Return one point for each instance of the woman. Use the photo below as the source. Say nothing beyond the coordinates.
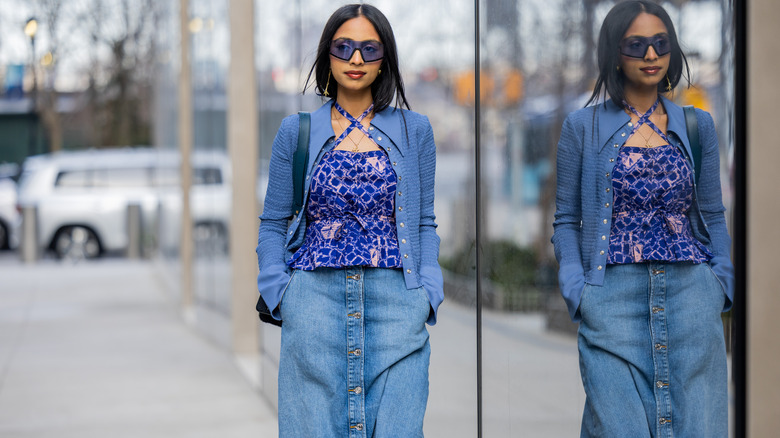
(355, 274)
(642, 244)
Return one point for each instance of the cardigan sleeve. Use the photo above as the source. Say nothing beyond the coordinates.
(710, 200)
(430, 271)
(277, 208)
(568, 215)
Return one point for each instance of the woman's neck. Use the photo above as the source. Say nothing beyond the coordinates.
(354, 103)
(641, 100)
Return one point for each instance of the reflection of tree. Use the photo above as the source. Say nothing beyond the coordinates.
(568, 31)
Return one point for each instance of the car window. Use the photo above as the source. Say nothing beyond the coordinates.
(206, 176)
(166, 177)
(126, 178)
(73, 178)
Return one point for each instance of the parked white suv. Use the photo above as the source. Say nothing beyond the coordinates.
(82, 197)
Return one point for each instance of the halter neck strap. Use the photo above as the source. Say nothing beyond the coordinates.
(353, 122)
(644, 119)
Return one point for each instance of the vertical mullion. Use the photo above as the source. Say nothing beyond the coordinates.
(739, 342)
(478, 206)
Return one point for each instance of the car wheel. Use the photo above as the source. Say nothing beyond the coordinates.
(76, 243)
(3, 237)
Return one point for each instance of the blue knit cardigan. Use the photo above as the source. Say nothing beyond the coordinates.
(412, 152)
(590, 140)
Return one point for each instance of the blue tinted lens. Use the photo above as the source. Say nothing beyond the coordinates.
(662, 46)
(636, 47)
(344, 49)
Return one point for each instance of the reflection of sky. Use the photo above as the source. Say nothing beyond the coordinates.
(430, 33)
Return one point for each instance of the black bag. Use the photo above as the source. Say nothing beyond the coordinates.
(300, 159)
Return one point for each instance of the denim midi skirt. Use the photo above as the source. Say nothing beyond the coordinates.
(652, 353)
(354, 355)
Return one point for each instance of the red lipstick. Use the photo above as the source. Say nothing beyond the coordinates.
(355, 74)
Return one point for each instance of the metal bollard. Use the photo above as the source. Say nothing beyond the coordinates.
(28, 246)
(134, 231)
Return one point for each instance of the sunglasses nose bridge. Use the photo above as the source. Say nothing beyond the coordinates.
(650, 53)
(356, 57)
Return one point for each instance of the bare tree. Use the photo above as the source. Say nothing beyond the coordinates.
(46, 99)
(120, 90)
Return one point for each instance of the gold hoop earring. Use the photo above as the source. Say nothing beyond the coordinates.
(668, 84)
(327, 85)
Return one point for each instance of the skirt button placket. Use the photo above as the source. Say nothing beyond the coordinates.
(658, 332)
(355, 347)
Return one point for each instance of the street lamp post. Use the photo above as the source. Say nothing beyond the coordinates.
(30, 29)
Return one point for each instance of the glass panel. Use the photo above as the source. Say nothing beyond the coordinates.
(437, 65)
(166, 138)
(530, 369)
(210, 195)
(538, 64)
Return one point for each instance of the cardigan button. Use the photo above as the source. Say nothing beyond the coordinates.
(600, 267)
(400, 209)
(371, 128)
(406, 256)
(611, 160)
(601, 252)
(395, 163)
(605, 221)
(408, 271)
(380, 139)
(606, 205)
(403, 240)
(401, 224)
(603, 237)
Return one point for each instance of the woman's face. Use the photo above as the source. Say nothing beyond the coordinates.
(355, 74)
(645, 72)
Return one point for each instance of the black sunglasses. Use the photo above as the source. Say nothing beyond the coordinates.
(344, 49)
(636, 46)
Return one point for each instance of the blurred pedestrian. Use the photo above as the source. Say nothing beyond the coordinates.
(354, 275)
(641, 241)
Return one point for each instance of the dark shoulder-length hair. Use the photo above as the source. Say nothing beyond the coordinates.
(611, 80)
(388, 84)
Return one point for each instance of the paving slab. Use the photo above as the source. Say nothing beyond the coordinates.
(97, 349)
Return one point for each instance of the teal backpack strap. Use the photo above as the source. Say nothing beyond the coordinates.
(692, 126)
(300, 160)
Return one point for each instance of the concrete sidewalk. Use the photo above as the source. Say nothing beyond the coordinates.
(97, 349)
